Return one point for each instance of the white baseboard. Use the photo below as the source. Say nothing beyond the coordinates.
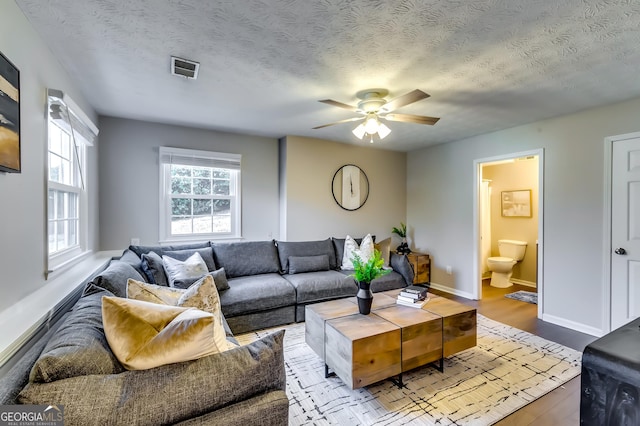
(450, 290)
(523, 282)
(586, 329)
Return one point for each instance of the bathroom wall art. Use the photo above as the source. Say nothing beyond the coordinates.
(516, 203)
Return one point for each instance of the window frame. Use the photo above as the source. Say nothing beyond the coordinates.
(198, 158)
(68, 254)
(63, 113)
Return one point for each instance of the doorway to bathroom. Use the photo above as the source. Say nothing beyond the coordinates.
(508, 199)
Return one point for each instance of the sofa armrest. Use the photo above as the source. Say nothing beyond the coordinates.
(401, 265)
(187, 389)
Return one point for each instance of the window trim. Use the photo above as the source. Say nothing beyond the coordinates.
(69, 118)
(203, 158)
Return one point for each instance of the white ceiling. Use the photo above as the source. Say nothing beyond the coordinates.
(487, 64)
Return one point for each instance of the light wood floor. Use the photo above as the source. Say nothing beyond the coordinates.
(562, 405)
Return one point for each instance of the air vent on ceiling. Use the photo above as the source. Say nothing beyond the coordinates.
(184, 68)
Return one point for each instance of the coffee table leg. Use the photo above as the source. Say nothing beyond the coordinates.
(398, 382)
(439, 365)
(326, 372)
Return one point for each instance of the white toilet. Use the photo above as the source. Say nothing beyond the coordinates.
(501, 267)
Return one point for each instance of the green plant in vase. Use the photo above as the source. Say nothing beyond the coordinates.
(401, 232)
(364, 273)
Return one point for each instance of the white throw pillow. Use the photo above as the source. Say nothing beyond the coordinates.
(351, 248)
(193, 267)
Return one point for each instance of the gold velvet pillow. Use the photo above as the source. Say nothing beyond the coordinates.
(202, 295)
(153, 293)
(145, 335)
(384, 247)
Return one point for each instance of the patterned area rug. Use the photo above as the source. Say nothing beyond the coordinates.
(524, 296)
(508, 369)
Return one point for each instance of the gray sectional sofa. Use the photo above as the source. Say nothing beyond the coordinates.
(260, 283)
(270, 282)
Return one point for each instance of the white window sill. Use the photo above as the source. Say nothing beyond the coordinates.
(26, 317)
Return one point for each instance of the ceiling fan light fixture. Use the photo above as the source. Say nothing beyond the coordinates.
(359, 131)
(383, 131)
(371, 124)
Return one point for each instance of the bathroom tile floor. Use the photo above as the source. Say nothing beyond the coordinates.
(559, 407)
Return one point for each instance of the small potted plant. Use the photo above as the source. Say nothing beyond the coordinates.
(364, 273)
(403, 248)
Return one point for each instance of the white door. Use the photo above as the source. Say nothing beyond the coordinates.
(625, 232)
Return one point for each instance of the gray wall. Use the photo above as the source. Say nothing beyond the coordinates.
(129, 178)
(440, 205)
(23, 214)
(309, 208)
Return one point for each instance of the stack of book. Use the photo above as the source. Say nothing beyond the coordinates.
(414, 296)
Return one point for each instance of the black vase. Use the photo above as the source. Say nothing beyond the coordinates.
(365, 297)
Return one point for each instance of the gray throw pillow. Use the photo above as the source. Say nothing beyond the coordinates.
(305, 248)
(154, 269)
(134, 260)
(79, 347)
(114, 278)
(300, 264)
(219, 277)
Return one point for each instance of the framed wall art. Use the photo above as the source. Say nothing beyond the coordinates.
(516, 203)
(10, 160)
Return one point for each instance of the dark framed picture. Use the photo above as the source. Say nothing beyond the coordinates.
(9, 117)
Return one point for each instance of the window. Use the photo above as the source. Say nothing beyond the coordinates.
(199, 195)
(68, 137)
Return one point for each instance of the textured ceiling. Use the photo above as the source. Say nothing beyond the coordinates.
(487, 64)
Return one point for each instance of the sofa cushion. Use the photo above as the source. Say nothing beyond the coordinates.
(159, 250)
(79, 346)
(305, 248)
(300, 264)
(134, 260)
(114, 278)
(219, 277)
(246, 258)
(154, 269)
(323, 285)
(256, 293)
(145, 335)
(170, 393)
(391, 281)
(192, 267)
(206, 253)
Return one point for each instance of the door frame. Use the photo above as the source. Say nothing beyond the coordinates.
(477, 251)
(606, 234)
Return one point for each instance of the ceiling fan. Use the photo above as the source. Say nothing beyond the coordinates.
(373, 107)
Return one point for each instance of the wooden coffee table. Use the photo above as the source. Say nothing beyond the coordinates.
(364, 349)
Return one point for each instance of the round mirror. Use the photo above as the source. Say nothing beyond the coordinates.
(350, 187)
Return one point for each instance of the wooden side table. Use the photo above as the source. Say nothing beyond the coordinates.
(421, 263)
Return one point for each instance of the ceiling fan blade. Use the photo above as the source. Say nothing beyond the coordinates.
(339, 122)
(406, 99)
(410, 118)
(339, 105)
